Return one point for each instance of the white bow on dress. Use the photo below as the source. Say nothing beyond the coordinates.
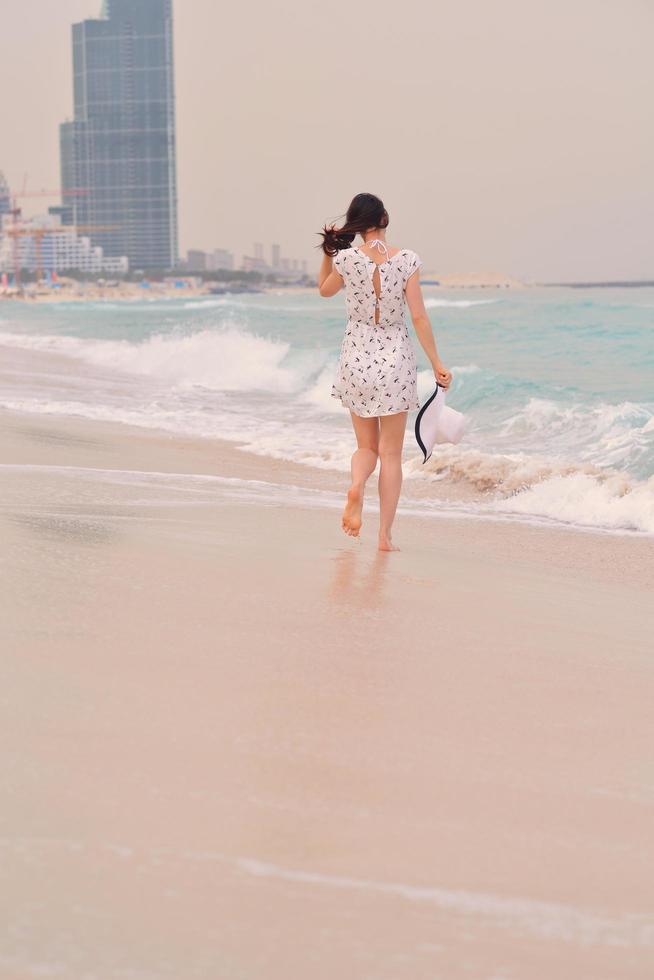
(379, 245)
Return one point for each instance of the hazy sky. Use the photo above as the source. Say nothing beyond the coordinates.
(515, 135)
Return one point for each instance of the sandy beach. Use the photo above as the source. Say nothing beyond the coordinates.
(241, 745)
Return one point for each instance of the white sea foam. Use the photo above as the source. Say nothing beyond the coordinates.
(585, 500)
(319, 392)
(548, 920)
(433, 302)
(601, 433)
(227, 360)
(487, 472)
(153, 488)
(465, 369)
(558, 416)
(206, 304)
(157, 417)
(520, 484)
(239, 302)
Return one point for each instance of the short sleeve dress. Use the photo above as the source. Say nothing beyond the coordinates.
(376, 372)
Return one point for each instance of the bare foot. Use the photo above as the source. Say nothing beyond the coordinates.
(351, 522)
(385, 543)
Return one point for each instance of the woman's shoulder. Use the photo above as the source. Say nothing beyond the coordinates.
(342, 258)
(412, 262)
(402, 255)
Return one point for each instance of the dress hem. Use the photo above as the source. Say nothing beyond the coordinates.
(374, 415)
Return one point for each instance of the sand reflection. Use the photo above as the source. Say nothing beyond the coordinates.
(359, 580)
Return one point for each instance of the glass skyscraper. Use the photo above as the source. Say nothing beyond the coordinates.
(120, 144)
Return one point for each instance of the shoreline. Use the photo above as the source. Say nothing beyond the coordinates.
(440, 498)
(36, 440)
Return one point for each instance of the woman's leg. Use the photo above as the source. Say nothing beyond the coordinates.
(391, 440)
(364, 460)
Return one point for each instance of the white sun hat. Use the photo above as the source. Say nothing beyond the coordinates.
(438, 423)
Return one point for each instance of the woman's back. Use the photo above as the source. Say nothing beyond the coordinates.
(374, 291)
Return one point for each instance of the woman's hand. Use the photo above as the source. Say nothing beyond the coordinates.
(442, 375)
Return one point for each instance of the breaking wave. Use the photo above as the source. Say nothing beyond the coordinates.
(559, 458)
(226, 360)
(583, 495)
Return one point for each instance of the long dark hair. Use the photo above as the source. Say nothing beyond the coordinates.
(365, 211)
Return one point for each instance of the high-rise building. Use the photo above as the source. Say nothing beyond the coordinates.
(120, 145)
(276, 256)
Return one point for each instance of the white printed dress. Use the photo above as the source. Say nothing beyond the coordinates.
(376, 372)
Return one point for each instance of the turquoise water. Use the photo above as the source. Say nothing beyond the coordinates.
(556, 385)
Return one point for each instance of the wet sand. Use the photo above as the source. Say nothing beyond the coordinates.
(241, 745)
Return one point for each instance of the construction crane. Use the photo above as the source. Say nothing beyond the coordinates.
(13, 196)
(15, 212)
(38, 234)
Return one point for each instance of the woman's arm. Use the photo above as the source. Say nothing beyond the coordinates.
(329, 280)
(423, 329)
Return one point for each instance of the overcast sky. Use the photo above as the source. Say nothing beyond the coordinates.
(513, 135)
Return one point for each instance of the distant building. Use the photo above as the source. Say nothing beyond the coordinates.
(220, 258)
(196, 260)
(255, 263)
(199, 261)
(5, 195)
(45, 243)
(120, 144)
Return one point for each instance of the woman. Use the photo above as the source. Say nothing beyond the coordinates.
(376, 376)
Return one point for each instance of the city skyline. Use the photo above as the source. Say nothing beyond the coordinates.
(201, 260)
(522, 144)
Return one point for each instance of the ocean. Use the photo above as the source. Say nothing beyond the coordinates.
(556, 384)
